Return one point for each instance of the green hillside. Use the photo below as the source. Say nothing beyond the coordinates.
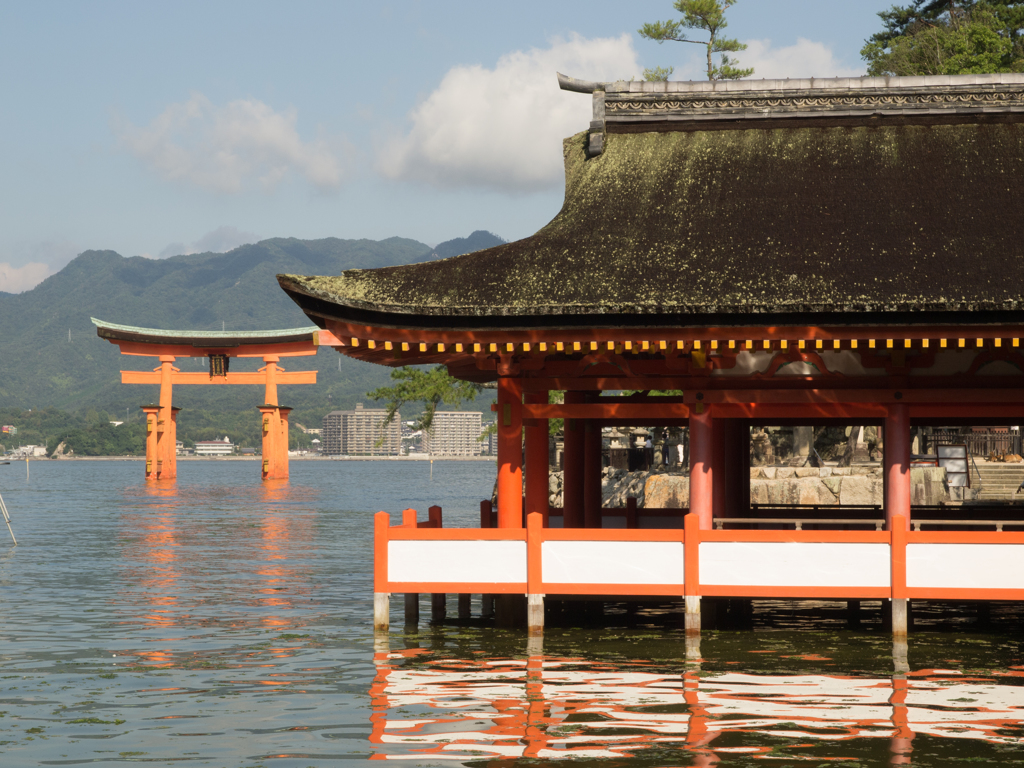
(50, 355)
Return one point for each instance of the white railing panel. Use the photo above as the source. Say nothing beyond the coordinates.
(965, 566)
(499, 562)
(794, 564)
(612, 562)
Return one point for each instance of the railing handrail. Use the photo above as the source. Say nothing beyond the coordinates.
(799, 522)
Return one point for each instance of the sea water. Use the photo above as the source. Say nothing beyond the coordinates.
(224, 622)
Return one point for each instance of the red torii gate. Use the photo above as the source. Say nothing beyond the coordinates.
(219, 347)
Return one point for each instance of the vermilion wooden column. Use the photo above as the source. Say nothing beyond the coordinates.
(896, 459)
(152, 413)
(537, 462)
(275, 426)
(510, 452)
(166, 448)
(896, 455)
(572, 479)
(592, 475)
(720, 429)
(701, 467)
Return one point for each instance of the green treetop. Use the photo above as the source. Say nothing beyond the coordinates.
(431, 387)
(708, 15)
(948, 37)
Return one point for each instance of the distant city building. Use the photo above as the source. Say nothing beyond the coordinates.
(358, 432)
(29, 451)
(214, 447)
(454, 433)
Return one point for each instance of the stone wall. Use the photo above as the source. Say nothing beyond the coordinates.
(768, 485)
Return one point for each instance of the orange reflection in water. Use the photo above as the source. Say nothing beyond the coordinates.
(558, 708)
(153, 563)
(283, 581)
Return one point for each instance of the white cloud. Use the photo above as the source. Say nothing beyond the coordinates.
(804, 59)
(219, 240)
(228, 148)
(23, 278)
(27, 263)
(502, 128)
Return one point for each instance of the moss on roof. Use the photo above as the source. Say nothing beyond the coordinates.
(865, 219)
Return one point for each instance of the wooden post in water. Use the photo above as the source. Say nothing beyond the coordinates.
(381, 599)
(412, 608)
(381, 611)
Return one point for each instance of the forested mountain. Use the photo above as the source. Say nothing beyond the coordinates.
(51, 356)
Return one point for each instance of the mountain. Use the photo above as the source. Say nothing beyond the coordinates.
(50, 354)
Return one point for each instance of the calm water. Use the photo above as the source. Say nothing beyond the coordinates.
(227, 624)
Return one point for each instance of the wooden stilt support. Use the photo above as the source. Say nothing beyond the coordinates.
(412, 608)
(510, 611)
(465, 606)
(693, 649)
(693, 616)
(853, 614)
(381, 611)
(535, 614)
(438, 607)
(535, 645)
(900, 615)
(899, 657)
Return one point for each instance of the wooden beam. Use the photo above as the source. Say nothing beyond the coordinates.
(201, 377)
(615, 410)
(289, 349)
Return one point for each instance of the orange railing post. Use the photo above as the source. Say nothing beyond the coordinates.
(534, 575)
(381, 592)
(691, 572)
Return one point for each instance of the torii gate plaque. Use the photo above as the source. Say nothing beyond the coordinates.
(218, 347)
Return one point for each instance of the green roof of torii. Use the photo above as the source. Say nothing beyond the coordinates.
(114, 331)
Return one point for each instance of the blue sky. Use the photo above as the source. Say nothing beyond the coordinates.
(154, 129)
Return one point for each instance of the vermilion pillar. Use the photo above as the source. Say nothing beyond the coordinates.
(166, 434)
(573, 462)
(152, 413)
(275, 426)
(896, 449)
(701, 463)
(275, 442)
(537, 462)
(510, 453)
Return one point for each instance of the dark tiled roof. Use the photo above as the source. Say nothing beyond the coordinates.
(905, 219)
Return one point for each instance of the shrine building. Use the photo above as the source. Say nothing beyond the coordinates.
(782, 252)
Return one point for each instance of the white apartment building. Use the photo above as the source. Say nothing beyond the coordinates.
(454, 433)
(215, 447)
(357, 432)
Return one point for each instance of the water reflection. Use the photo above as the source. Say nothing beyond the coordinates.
(569, 708)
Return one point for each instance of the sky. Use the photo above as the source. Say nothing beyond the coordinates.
(155, 129)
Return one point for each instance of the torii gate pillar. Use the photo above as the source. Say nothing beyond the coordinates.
(275, 441)
(161, 442)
